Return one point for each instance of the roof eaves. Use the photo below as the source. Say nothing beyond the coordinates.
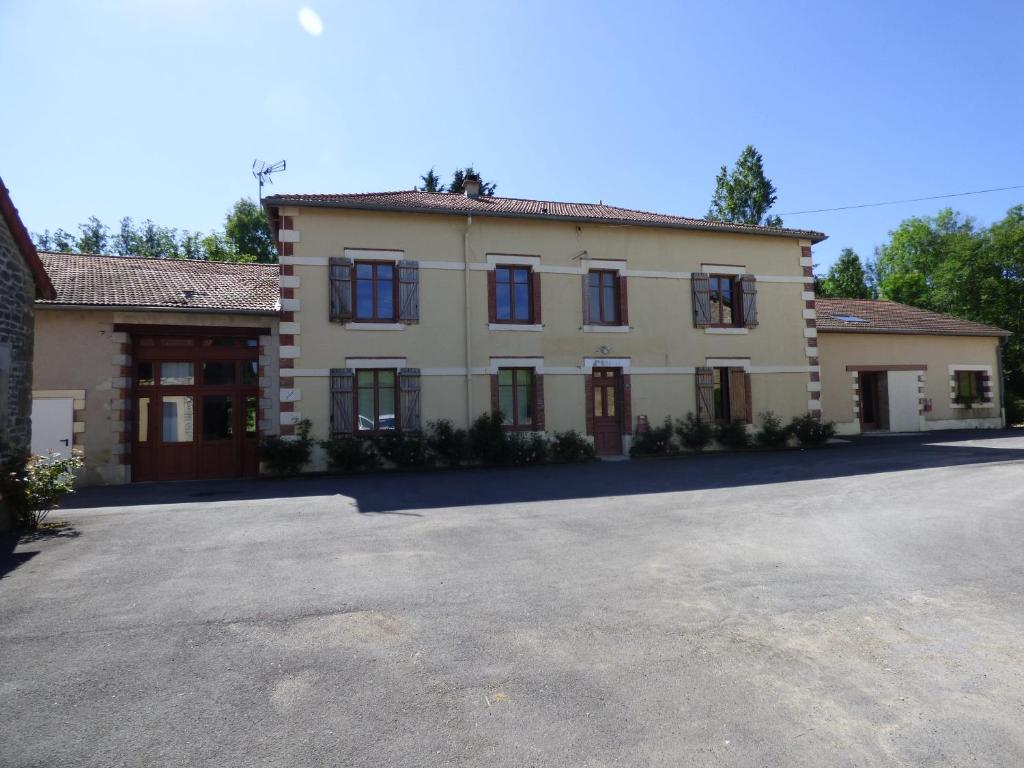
(813, 236)
(155, 308)
(44, 287)
(983, 332)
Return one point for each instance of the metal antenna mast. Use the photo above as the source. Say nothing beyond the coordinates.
(262, 172)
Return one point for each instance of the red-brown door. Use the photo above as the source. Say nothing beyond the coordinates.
(606, 410)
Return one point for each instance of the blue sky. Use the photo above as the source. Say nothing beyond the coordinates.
(157, 109)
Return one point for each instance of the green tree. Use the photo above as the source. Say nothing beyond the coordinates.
(431, 182)
(155, 242)
(744, 195)
(94, 237)
(124, 240)
(847, 279)
(459, 177)
(247, 231)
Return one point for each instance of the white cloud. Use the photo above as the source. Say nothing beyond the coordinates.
(311, 22)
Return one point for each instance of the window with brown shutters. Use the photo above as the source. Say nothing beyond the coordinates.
(340, 289)
(375, 292)
(408, 292)
(748, 300)
(341, 401)
(723, 395)
(700, 283)
(409, 398)
(601, 297)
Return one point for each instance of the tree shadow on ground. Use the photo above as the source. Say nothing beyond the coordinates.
(399, 492)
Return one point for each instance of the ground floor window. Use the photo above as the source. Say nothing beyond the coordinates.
(970, 387)
(375, 401)
(721, 394)
(515, 397)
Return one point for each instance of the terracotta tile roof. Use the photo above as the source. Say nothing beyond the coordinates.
(511, 207)
(867, 316)
(44, 288)
(128, 281)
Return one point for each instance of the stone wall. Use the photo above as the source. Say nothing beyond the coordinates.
(17, 293)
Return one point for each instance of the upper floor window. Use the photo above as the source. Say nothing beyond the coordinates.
(603, 297)
(375, 291)
(724, 309)
(513, 295)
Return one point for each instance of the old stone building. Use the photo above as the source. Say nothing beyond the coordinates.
(22, 280)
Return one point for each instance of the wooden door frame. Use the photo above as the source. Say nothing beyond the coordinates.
(620, 380)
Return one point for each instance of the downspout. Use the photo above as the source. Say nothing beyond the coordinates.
(1002, 382)
(465, 277)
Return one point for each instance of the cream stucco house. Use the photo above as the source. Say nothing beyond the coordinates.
(155, 369)
(889, 367)
(402, 308)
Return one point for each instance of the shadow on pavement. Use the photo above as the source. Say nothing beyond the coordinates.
(398, 491)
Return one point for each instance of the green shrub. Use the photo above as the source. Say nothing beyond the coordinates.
(527, 448)
(350, 454)
(1014, 411)
(772, 434)
(693, 433)
(811, 431)
(488, 441)
(733, 435)
(656, 441)
(570, 447)
(284, 456)
(449, 443)
(30, 486)
(406, 449)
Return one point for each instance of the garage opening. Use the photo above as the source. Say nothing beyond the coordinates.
(889, 400)
(195, 405)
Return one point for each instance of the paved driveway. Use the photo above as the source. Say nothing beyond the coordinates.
(859, 605)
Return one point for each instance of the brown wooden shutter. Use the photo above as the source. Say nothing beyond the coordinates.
(409, 398)
(342, 422)
(535, 297)
(705, 394)
(586, 298)
(623, 300)
(408, 292)
(701, 284)
(748, 290)
(538, 402)
(494, 394)
(738, 395)
(492, 297)
(340, 282)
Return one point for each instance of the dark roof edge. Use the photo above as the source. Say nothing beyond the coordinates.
(44, 287)
(713, 226)
(982, 332)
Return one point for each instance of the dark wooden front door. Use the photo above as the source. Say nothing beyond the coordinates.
(196, 404)
(606, 410)
(874, 408)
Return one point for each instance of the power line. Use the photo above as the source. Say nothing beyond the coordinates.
(909, 200)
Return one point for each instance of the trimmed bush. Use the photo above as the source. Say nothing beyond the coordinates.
(406, 449)
(733, 435)
(449, 443)
(350, 454)
(656, 441)
(811, 431)
(488, 440)
(527, 448)
(693, 433)
(286, 457)
(1014, 411)
(772, 434)
(31, 486)
(570, 447)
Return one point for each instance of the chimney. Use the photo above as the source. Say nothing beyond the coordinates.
(471, 185)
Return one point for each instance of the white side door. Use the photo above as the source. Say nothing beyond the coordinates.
(903, 402)
(53, 425)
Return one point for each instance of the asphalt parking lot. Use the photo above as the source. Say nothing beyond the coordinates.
(858, 605)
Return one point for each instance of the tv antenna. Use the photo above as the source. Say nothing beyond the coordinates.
(262, 172)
